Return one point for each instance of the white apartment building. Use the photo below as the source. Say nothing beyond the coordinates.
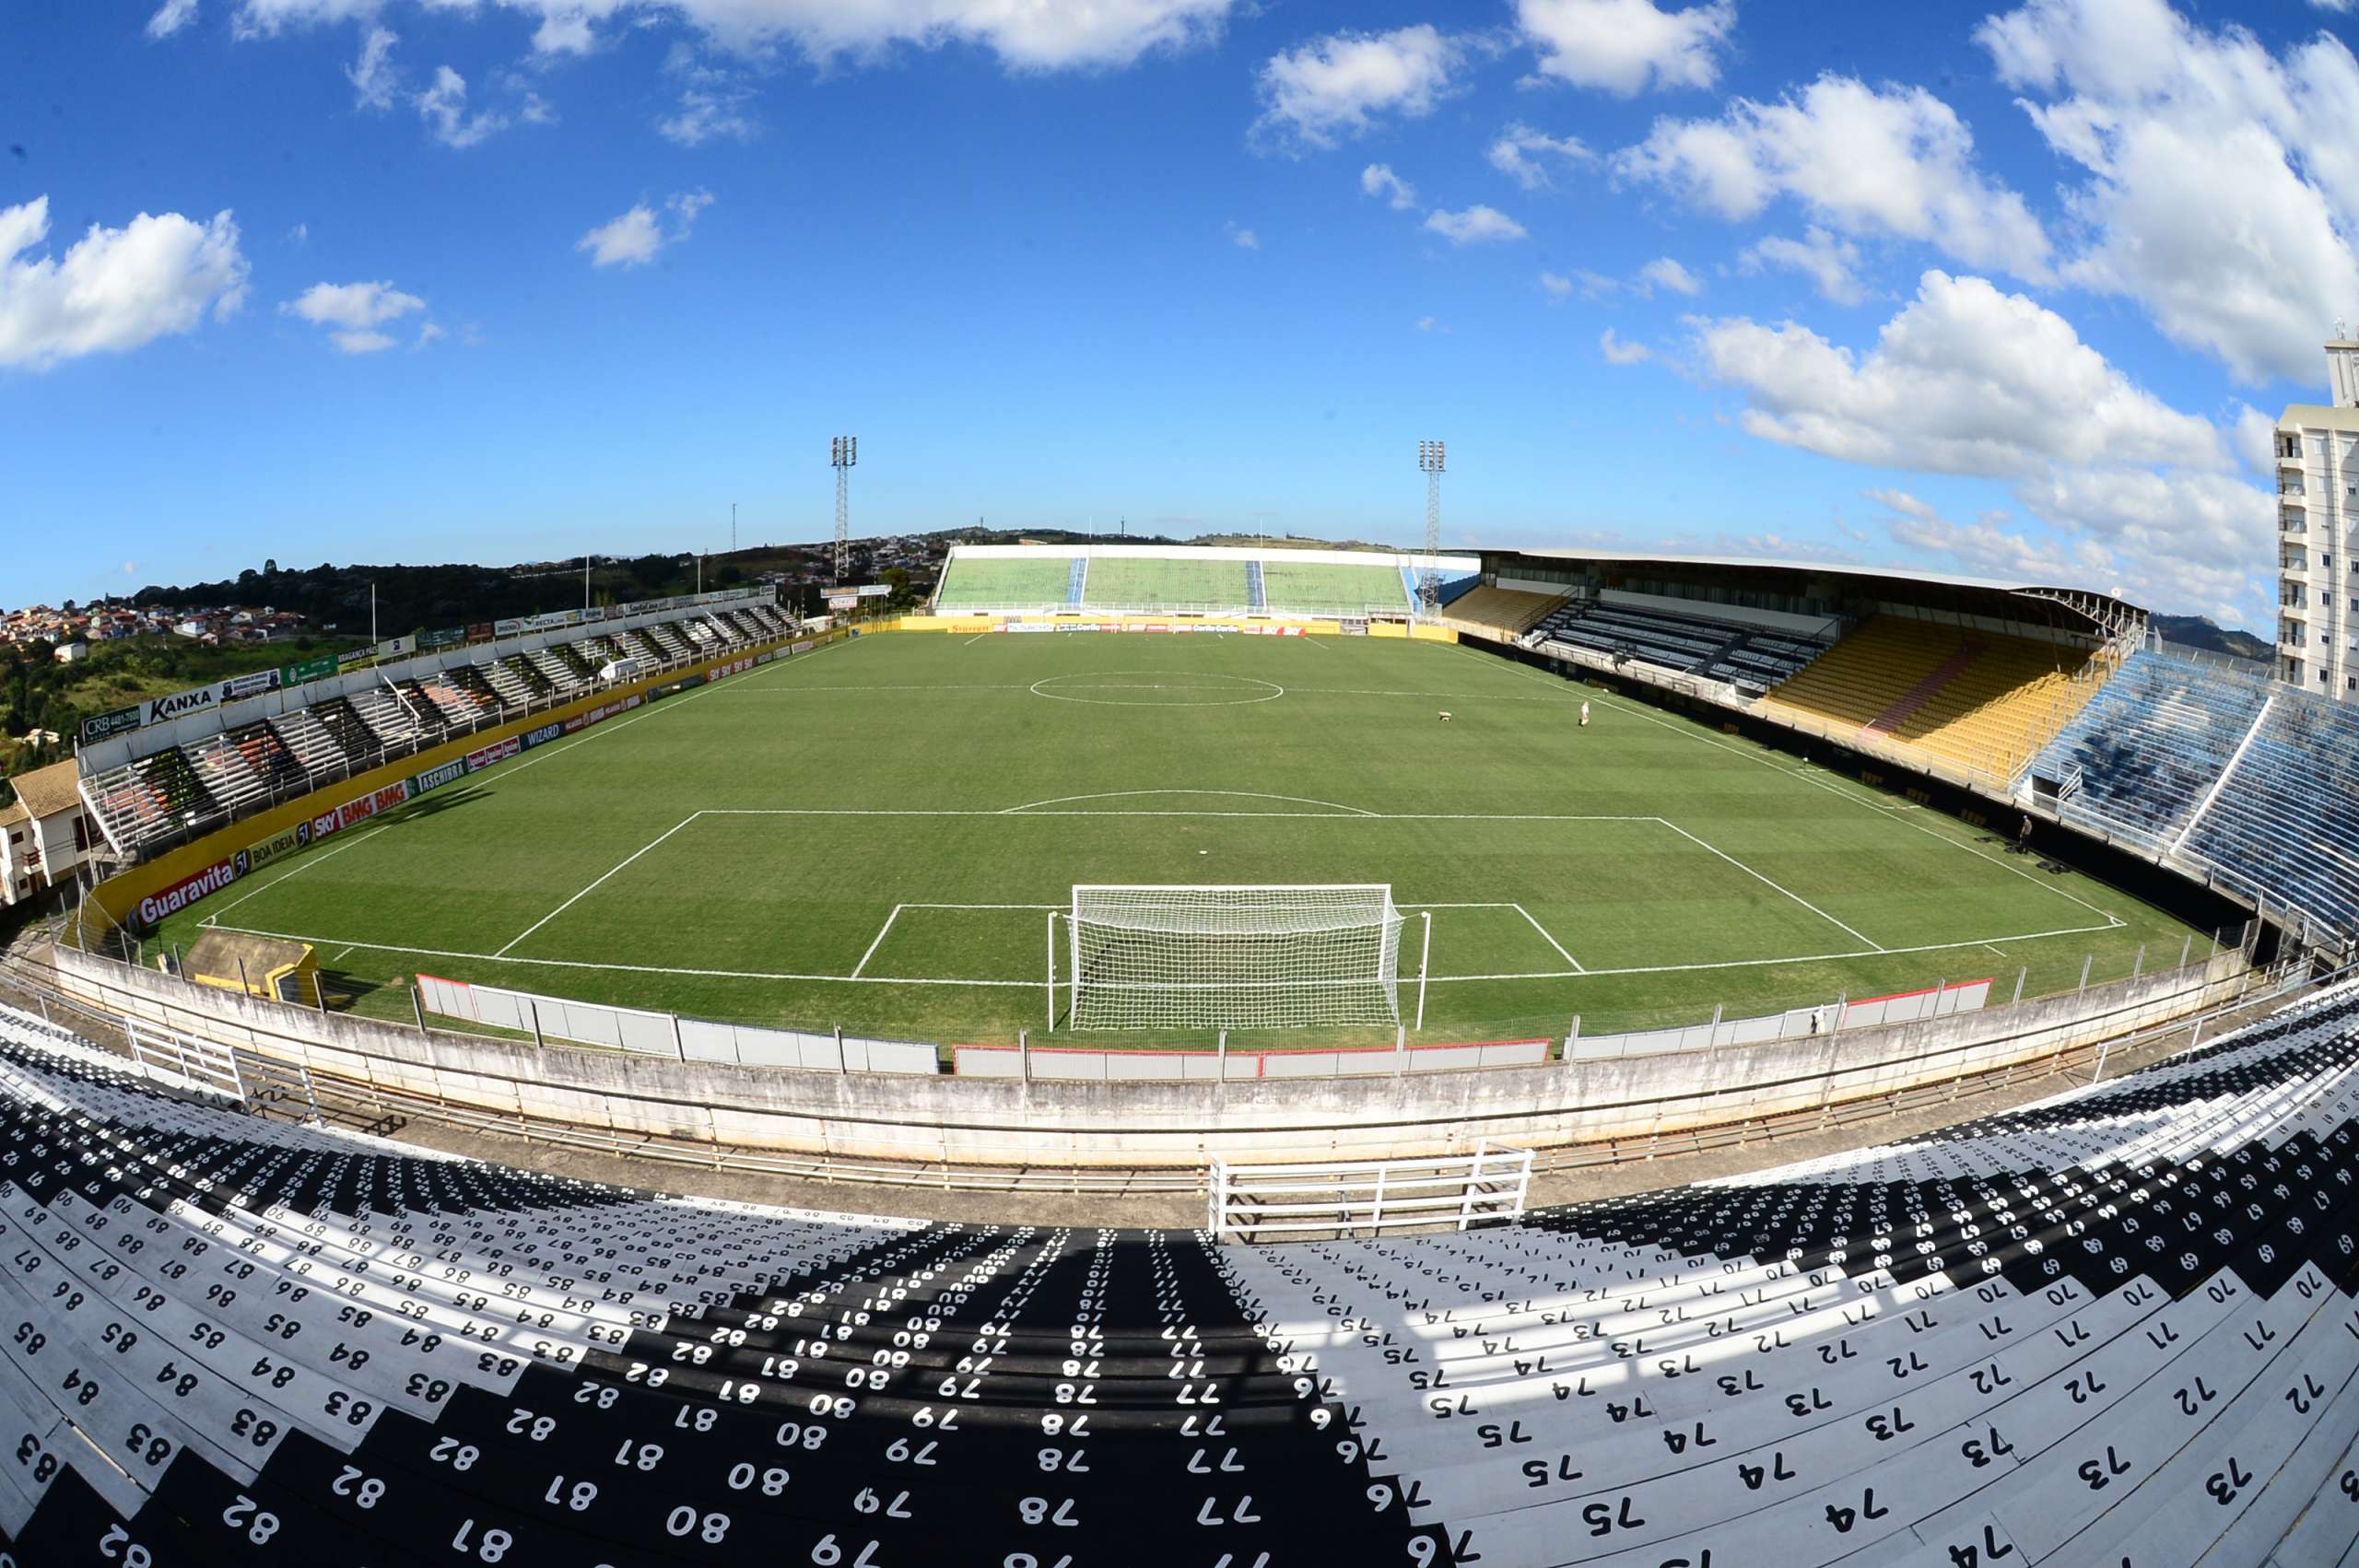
(2317, 528)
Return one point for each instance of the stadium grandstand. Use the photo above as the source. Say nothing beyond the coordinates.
(2110, 1326)
(2065, 1275)
(1097, 580)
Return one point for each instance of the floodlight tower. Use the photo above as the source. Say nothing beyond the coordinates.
(1429, 459)
(843, 452)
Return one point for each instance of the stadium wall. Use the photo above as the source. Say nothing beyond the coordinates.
(201, 861)
(557, 1090)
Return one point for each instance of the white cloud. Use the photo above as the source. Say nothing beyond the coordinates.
(1892, 162)
(633, 239)
(1830, 263)
(1477, 225)
(1968, 380)
(1242, 237)
(1512, 154)
(2256, 442)
(1664, 273)
(1028, 36)
(356, 313)
(1627, 46)
(1902, 502)
(298, 235)
(170, 17)
(1426, 324)
(429, 333)
(2222, 181)
(707, 114)
(443, 107)
(374, 80)
(115, 289)
(1556, 285)
(1378, 179)
(1616, 352)
(1332, 89)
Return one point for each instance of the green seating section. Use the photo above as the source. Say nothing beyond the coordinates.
(1336, 589)
(1124, 583)
(1021, 583)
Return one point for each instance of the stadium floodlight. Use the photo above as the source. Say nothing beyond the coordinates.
(843, 454)
(1248, 956)
(1430, 458)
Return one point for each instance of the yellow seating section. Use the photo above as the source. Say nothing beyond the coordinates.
(1499, 612)
(2008, 700)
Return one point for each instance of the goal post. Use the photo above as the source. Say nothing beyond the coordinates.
(1233, 956)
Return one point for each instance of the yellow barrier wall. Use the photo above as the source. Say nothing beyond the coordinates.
(119, 895)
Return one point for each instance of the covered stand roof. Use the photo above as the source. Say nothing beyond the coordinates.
(2105, 613)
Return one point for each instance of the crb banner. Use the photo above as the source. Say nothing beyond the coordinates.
(182, 894)
(98, 726)
(308, 670)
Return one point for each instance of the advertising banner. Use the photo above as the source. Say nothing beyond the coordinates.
(181, 894)
(803, 647)
(498, 751)
(239, 688)
(277, 844)
(308, 670)
(435, 778)
(352, 659)
(481, 631)
(508, 628)
(449, 637)
(98, 726)
(397, 647)
(842, 602)
(204, 700)
(541, 736)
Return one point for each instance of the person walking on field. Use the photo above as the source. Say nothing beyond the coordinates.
(1584, 713)
(2022, 837)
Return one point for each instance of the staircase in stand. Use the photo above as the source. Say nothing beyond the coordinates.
(1918, 695)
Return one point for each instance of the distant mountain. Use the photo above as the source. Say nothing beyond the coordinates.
(2198, 631)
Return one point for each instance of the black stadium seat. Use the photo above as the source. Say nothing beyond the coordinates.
(2116, 1326)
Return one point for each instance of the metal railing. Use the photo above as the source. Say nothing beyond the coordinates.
(1250, 1203)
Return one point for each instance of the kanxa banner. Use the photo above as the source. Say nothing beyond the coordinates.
(204, 700)
(98, 726)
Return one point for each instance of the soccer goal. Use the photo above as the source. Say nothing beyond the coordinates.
(1271, 957)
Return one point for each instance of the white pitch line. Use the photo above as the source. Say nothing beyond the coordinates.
(1780, 887)
(1549, 940)
(1033, 982)
(576, 898)
(879, 942)
(1637, 710)
(1225, 794)
(1347, 815)
(298, 869)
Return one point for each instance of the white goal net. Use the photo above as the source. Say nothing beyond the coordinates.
(1235, 957)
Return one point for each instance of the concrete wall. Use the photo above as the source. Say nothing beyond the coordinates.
(1003, 1121)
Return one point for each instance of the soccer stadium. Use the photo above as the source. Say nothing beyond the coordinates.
(1980, 951)
(1779, 988)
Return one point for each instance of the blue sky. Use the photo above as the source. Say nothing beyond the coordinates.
(2010, 290)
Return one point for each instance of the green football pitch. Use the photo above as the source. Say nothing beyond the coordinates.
(872, 835)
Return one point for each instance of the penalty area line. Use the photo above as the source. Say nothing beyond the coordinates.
(593, 887)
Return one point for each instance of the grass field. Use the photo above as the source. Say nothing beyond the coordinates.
(872, 835)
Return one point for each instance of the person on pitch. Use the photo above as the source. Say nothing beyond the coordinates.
(1584, 713)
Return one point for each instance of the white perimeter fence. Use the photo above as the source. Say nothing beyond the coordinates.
(548, 1018)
